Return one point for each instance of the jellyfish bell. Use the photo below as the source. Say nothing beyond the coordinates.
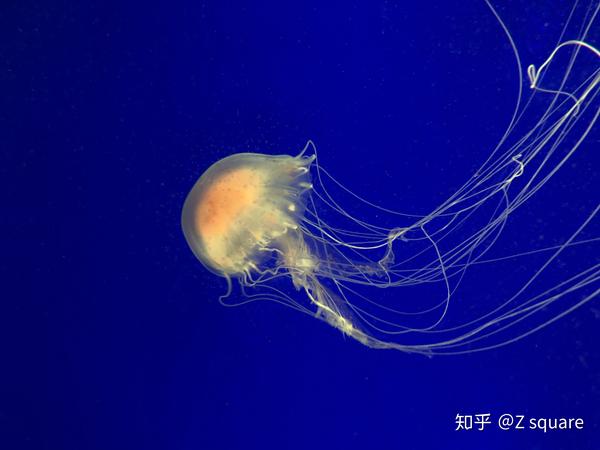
(245, 209)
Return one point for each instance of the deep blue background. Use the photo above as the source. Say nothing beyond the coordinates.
(111, 333)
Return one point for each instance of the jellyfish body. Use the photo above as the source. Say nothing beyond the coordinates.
(246, 208)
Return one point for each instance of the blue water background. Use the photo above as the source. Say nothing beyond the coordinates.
(112, 335)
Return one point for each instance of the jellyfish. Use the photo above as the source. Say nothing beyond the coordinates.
(260, 221)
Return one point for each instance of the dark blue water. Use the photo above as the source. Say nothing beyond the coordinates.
(112, 335)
